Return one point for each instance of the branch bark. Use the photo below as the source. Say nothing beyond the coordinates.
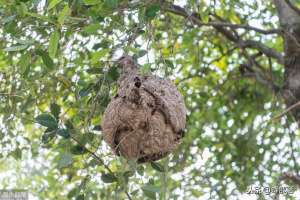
(290, 23)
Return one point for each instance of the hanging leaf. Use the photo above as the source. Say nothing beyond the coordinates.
(16, 48)
(24, 63)
(53, 44)
(63, 14)
(55, 110)
(47, 60)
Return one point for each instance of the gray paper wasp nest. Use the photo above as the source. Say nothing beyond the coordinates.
(146, 118)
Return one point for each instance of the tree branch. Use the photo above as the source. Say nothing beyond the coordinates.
(295, 8)
(221, 27)
(287, 15)
(294, 178)
(182, 12)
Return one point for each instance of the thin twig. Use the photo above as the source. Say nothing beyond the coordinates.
(93, 154)
(294, 178)
(128, 195)
(286, 111)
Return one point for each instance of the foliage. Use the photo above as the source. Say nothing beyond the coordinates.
(57, 75)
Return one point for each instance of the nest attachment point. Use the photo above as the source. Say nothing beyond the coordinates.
(146, 118)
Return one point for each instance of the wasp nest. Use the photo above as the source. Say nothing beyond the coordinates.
(146, 118)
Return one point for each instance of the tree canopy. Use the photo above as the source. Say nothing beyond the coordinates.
(235, 63)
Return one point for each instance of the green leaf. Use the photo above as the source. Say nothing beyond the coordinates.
(113, 74)
(128, 174)
(150, 191)
(63, 132)
(48, 135)
(85, 91)
(55, 110)
(24, 63)
(92, 28)
(47, 120)
(25, 42)
(63, 14)
(151, 11)
(47, 60)
(157, 167)
(95, 70)
(140, 170)
(91, 2)
(78, 150)
(80, 197)
(53, 3)
(16, 48)
(108, 178)
(151, 188)
(53, 44)
(169, 63)
(112, 4)
(65, 159)
(17, 154)
(142, 53)
(41, 17)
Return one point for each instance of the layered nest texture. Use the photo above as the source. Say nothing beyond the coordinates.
(146, 119)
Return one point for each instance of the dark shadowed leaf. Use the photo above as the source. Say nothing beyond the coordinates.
(157, 167)
(113, 74)
(151, 11)
(55, 110)
(63, 132)
(78, 150)
(108, 178)
(46, 120)
(48, 135)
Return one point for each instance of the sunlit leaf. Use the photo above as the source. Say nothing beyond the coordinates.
(16, 48)
(53, 3)
(65, 160)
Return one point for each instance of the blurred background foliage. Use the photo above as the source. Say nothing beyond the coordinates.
(57, 76)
